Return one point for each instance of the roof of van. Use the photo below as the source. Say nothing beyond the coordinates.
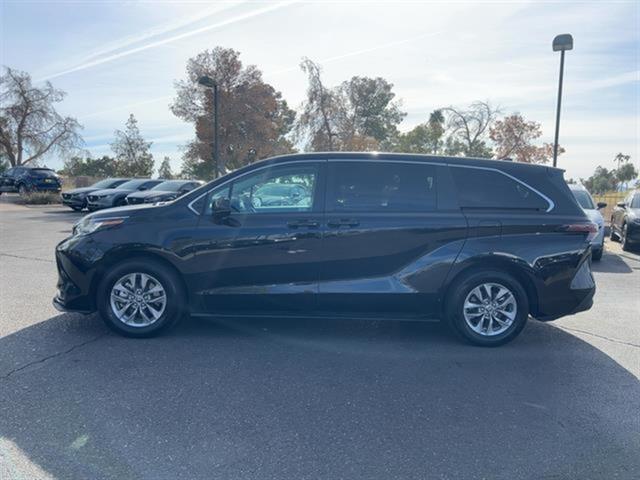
(478, 162)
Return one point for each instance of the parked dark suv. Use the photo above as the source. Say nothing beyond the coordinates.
(625, 221)
(29, 179)
(479, 243)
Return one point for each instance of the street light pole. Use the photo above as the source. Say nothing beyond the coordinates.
(560, 43)
(208, 82)
(216, 151)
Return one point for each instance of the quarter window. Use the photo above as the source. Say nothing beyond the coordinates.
(381, 187)
(479, 188)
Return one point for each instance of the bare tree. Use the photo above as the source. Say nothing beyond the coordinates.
(470, 127)
(320, 111)
(30, 127)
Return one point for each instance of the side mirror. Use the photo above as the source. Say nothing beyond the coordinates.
(601, 205)
(221, 208)
(142, 189)
(621, 204)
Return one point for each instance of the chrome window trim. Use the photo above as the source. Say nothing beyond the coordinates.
(190, 205)
(385, 160)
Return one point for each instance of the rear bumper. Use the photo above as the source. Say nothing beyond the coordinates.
(577, 297)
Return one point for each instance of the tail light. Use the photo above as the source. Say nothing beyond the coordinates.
(590, 229)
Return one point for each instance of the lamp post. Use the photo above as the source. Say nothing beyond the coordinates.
(561, 43)
(209, 82)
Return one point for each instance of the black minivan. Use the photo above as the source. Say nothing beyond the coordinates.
(481, 244)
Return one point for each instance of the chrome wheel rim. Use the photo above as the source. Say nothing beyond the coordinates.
(138, 299)
(490, 309)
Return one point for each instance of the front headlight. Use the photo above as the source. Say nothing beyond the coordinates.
(90, 225)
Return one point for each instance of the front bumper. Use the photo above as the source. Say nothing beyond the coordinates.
(99, 203)
(75, 274)
(598, 242)
(633, 232)
(78, 202)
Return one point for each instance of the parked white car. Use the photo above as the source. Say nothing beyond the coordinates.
(593, 212)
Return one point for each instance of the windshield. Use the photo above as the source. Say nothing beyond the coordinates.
(107, 183)
(635, 203)
(584, 199)
(133, 184)
(170, 186)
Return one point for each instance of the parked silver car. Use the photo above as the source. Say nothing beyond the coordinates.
(593, 212)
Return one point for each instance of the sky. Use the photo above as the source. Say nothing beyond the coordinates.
(116, 57)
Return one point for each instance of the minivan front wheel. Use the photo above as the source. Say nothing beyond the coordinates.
(140, 299)
(488, 308)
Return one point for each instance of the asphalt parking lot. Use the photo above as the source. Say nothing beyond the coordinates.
(274, 399)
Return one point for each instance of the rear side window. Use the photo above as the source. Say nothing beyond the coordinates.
(381, 187)
(479, 188)
(635, 201)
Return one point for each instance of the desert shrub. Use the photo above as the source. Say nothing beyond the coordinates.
(41, 198)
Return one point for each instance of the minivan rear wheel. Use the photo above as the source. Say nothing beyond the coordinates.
(488, 308)
(140, 298)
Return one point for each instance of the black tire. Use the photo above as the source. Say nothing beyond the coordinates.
(76, 209)
(120, 203)
(175, 308)
(464, 286)
(596, 255)
(612, 236)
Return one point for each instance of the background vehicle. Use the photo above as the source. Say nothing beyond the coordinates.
(625, 221)
(77, 198)
(482, 244)
(584, 199)
(163, 192)
(275, 194)
(115, 197)
(29, 179)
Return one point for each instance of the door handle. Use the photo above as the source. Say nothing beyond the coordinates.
(343, 222)
(303, 223)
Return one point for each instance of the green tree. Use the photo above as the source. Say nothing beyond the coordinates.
(626, 172)
(426, 138)
(104, 166)
(254, 119)
(132, 151)
(602, 181)
(30, 126)
(359, 114)
(165, 169)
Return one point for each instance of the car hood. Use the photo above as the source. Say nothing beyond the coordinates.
(85, 190)
(124, 211)
(109, 191)
(595, 216)
(151, 193)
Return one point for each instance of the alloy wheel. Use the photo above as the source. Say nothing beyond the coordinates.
(490, 309)
(138, 299)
